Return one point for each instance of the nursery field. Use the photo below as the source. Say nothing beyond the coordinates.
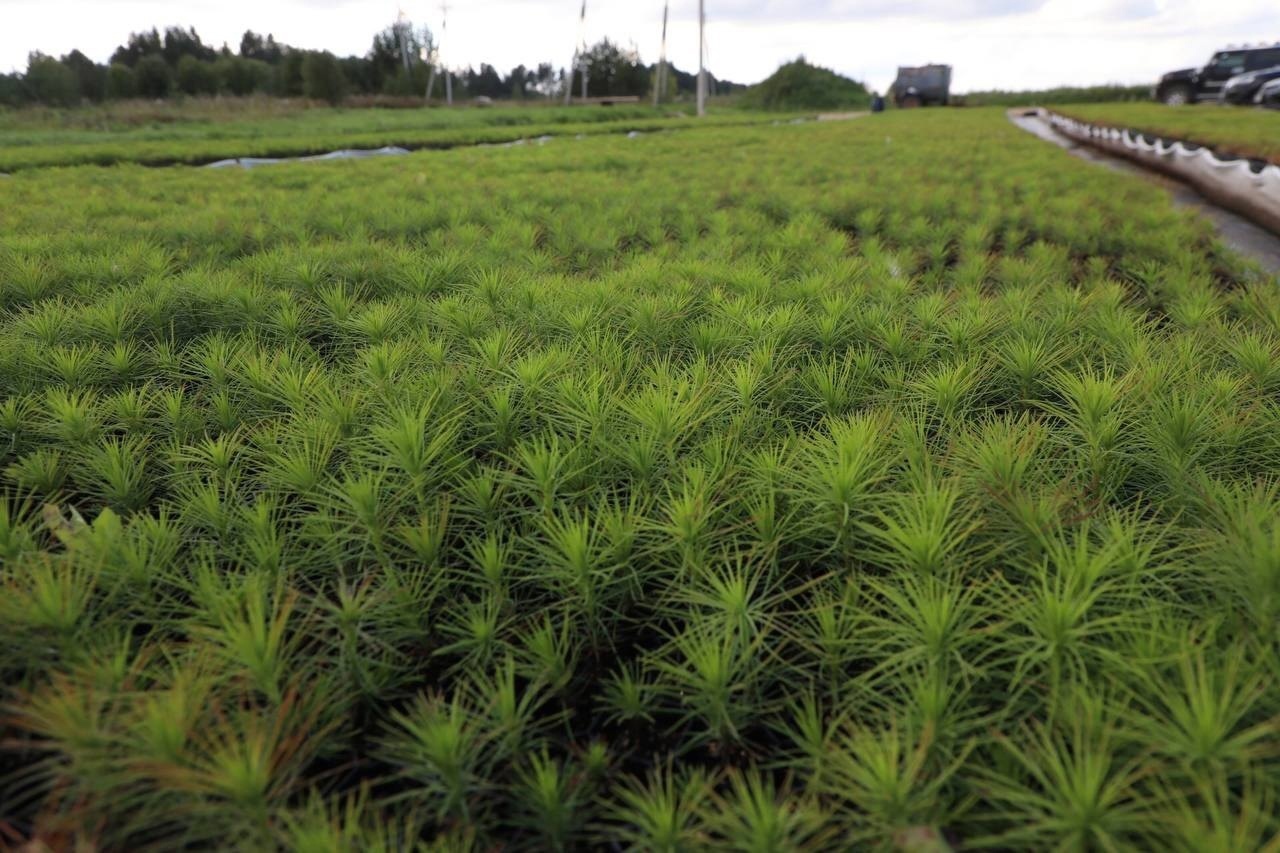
(900, 484)
(1237, 130)
(202, 133)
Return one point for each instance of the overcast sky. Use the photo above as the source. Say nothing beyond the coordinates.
(1012, 44)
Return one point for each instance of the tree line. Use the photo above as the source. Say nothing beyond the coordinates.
(399, 62)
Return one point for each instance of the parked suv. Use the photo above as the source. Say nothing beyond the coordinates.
(1188, 85)
(1243, 88)
(1269, 95)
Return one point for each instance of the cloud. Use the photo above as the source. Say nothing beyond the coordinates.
(992, 43)
(1130, 10)
(834, 11)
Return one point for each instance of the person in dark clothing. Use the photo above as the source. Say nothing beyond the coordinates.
(877, 102)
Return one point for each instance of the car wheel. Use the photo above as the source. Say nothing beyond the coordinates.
(1177, 96)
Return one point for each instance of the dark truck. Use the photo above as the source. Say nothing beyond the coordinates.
(1189, 85)
(922, 85)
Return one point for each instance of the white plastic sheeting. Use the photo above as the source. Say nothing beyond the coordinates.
(344, 154)
(1250, 188)
(363, 153)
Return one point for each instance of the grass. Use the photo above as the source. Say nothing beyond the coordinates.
(919, 491)
(205, 130)
(798, 85)
(1233, 130)
(1058, 96)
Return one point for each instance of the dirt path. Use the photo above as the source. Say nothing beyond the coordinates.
(842, 116)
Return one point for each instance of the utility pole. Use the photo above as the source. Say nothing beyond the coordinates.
(434, 60)
(702, 57)
(660, 78)
(403, 38)
(577, 56)
(448, 78)
(448, 75)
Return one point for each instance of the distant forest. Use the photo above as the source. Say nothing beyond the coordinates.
(179, 63)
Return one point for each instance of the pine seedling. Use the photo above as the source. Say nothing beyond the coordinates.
(1248, 549)
(923, 532)
(440, 749)
(549, 653)
(513, 710)
(1213, 814)
(1210, 718)
(241, 768)
(475, 631)
(419, 441)
(327, 824)
(544, 470)
(502, 419)
(1258, 357)
(116, 472)
(41, 472)
(1029, 361)
(662, 813)
(49, 594)
(366, 632)
(549, 799)
(376, 323)
(716, 676)
(217, 457)
(575, 566)
(249, 625)
(627, 696)
(834, 480)
(27, 279)
(124, 361)
(208, 505)
(1071, 791)
(72, 366)
(925, 622)
(887, 779)
(298, 462)
(756, 816)
(949, 390)
(168, 717)
(425, 538)
(73, 417)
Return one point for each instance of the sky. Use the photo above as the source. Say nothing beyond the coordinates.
(1007, 44)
